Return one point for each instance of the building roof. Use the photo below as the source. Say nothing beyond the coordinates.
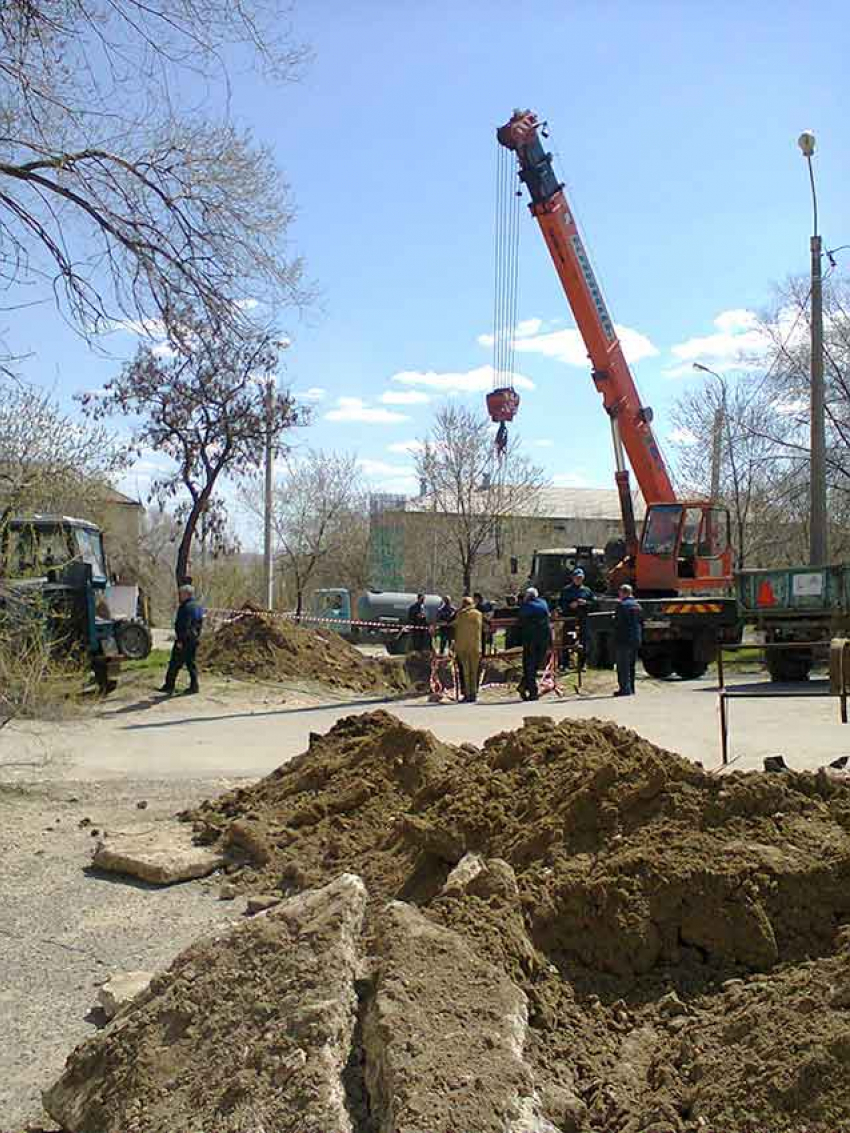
(561, 503)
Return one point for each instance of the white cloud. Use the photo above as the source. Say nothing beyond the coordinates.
(570, 480)
(355, 410)
(738, 343)
(405, 397)
(313, 394)
(405, 448)
(681, 435)
(543, 442)
(532, 336)
(479, 380)
(372, 468)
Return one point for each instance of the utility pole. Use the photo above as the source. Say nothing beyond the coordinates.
(818, 546)
(268, 564)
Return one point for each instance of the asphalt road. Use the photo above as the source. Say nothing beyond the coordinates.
(235, 733)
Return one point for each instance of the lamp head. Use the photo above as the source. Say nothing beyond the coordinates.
(806, 142)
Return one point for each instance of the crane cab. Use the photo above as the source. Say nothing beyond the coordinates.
(684, 546)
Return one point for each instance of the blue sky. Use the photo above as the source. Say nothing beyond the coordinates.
(674, 127)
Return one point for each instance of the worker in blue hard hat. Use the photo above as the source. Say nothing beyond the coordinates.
(575, 603)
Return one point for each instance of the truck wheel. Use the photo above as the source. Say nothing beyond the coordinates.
(691, 660)
(133, 639)
(786, 665)
(658, 665)
(600, 655)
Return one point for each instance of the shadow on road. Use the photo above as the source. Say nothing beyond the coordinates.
(380, 703)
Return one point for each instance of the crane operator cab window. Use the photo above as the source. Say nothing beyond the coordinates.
(690, 545)
(661, 530)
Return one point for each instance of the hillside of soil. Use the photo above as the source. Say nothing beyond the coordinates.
(253, 646)
(683, 939)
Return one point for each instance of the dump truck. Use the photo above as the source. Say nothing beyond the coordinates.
(54, 568)
(797, 603)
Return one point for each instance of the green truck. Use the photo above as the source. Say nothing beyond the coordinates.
(788, 604)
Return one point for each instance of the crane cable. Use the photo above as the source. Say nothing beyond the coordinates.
(506, 289)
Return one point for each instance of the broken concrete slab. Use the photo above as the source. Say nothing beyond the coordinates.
(443, 1036)
(120, 990)
(161, 856)
(248, 1029)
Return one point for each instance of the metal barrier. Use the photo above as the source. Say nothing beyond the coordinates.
(838, 684)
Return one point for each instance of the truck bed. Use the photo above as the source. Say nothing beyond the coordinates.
(793, 592)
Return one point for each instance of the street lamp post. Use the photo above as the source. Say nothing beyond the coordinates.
(717, 431)
(818, 547)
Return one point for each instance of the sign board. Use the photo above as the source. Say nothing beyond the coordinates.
(807, 585)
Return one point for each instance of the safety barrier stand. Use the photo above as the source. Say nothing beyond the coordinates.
(837, 685)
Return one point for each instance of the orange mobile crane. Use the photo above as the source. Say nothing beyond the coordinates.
(684, 548)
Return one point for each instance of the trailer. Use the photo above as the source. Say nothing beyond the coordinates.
(795, 604)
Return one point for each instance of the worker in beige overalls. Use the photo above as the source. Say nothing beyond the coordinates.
(468, 624)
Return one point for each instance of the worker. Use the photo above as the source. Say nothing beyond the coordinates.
(418, 621)
(187, 633)
(536, 631)
(467, 645)
(576, 602)
(485, 609)
(628, 634)
(445, 616)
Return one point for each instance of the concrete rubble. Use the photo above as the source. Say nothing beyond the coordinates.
(252, 1025)
(162, 855)
(120, 990)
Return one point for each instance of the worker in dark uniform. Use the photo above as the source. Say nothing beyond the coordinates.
(445, 616)
(187, 633)
(575, 603)
(485, 609)
(628, 635)
(536, 631)
(417, 619)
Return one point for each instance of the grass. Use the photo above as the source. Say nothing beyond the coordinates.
(157, 659)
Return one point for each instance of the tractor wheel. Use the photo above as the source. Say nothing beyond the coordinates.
(133, 639)
(658, 665)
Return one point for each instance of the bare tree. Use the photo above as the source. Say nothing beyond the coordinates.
(50, 461)
(475, 491)
(759, 480)
(318, 515)
(119, 195)
(208, 407)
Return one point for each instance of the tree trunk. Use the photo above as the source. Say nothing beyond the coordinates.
(299, 604)
(184, 551)
(467, 579)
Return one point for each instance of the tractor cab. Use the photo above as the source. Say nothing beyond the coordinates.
(684, 546)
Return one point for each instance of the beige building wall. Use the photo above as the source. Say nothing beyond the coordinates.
(412, 547)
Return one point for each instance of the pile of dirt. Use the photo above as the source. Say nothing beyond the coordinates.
(678, 935)
(254, 646)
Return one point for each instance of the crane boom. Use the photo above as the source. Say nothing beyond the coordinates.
(630, 420)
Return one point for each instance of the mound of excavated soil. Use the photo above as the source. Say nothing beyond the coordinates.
(252, 645)
(622, 888)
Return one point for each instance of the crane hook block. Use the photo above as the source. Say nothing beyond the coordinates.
(502, 404)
